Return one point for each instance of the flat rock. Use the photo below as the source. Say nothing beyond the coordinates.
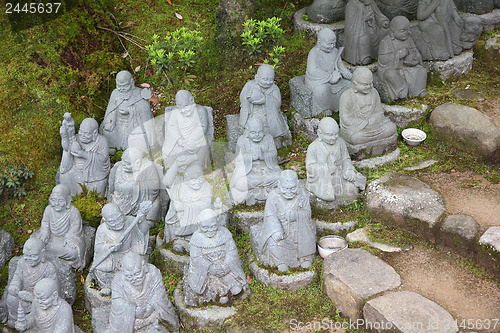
(457, 66)
(407, 312)
(468, 94)
(335, 227)
(6, 246)
(491, 238)
(462, 225)
(352, 276)
(361, 235)
(421, 165)
(467, 129)
(402, 116)
(305, 126)
(375, 162)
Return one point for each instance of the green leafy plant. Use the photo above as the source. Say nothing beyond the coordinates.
(89, 203)
(12, 179)
(260, 35)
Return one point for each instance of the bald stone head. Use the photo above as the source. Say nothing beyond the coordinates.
(328, 130)
(133, 269)
(46, 293)
(400, 28)
(132, 159)
(184, 98)
(34, 251)
(124, 77)
(208, 223)
(194, 176)
(265, 76)
(288, 183)
(113, 216)
(362, 80)
(255, 128)
(88, 130)
(326, 40)
(60, 198)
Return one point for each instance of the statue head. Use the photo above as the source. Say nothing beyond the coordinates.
(60, 198)
(265, 76)
(288, 183)
(255, 128)
(362, 80)
(132, 159)
(34, 251)
(399, 28)
(88, 130)
(46, 293)
(113, 216)
(208, 222)
(69, 123)
(184, 100)
(328, 130)
(326, 40)
(125, 83)
(133, 267)
(193, 176)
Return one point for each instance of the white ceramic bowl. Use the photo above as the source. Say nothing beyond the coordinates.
(330, 244)
(413, 136)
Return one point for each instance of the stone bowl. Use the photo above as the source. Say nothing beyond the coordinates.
(330, 244)
(413, 136)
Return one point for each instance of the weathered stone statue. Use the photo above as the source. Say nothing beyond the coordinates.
(90, 162)
(62, 229)
(133, 180)
(49, 313)
(256, 171)
(31, 268)
(326, 75)
(187, 127)
(363, 125)
(139, 302)
(400, 65)
(365, 26)
(116, 236)
(326, 11)
(261, 97)
(287, 236)
(330, 173)
(189, 195)
(215, 272)
(127, 109)
(68, 136)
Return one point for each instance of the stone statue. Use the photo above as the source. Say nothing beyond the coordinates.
(400, 65)
(287, 236)
(68, 136)
(215, 272)
(365, 26)
(116, 236)
(326, 75)
(49, 313)
(363, 125)
(62, 229)
(133, 180)
(31, 268)
(326, 11)
(90, 162)
(187, 126)
(189, 195)
(261, 97)
(127, 109)
(330, 173)
(139, 302)
(393, 8)
(256, 171)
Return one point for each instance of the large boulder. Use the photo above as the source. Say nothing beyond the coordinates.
(467, 129)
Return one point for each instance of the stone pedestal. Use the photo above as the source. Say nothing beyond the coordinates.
(93, 297)
(6, 246)
(245, 220)
(299, 24)
(301, 96)
(374, 148)
(172, 260)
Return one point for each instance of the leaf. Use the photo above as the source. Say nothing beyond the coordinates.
(124, 55)
(137, 69)
(145, 85)
(82, 279)
(169, 2)
(171, 282)
(179, 16)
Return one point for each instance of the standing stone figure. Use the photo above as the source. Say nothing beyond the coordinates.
(400, 65)
(330, 173)
(215, 272)
(365, 26)
(261, 97)
(326, 75)
(257, 170)
(127, 109)
(287, 236)
(139, 300)
(49, 312)
(68, 136)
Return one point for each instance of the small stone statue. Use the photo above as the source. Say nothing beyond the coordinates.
(326, 75)
(363, 125)
(62, 229)
(31, 268)
(261, 97)
(68, 136)
(400, 65)
(133, 180)
(90, 162)
(139, 302)
(365, 26)
(330, 173)
(257, 170)
(287, 236)
(127, 109)
(215, 272)
(117, 235)
(49, 313)
(326, 11)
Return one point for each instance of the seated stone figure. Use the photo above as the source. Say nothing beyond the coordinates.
(365, 26)
(287, 236)
(330, 173)
(91, 163)
(326, 75)
(31, 268)
(116, 236)
(62, 229)
(139, 302)
(363, 125)
(400, 65)
(215, 272)
(127, 109)
(49, 313)
(257, 170)
(261, 97)
(133, 180)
